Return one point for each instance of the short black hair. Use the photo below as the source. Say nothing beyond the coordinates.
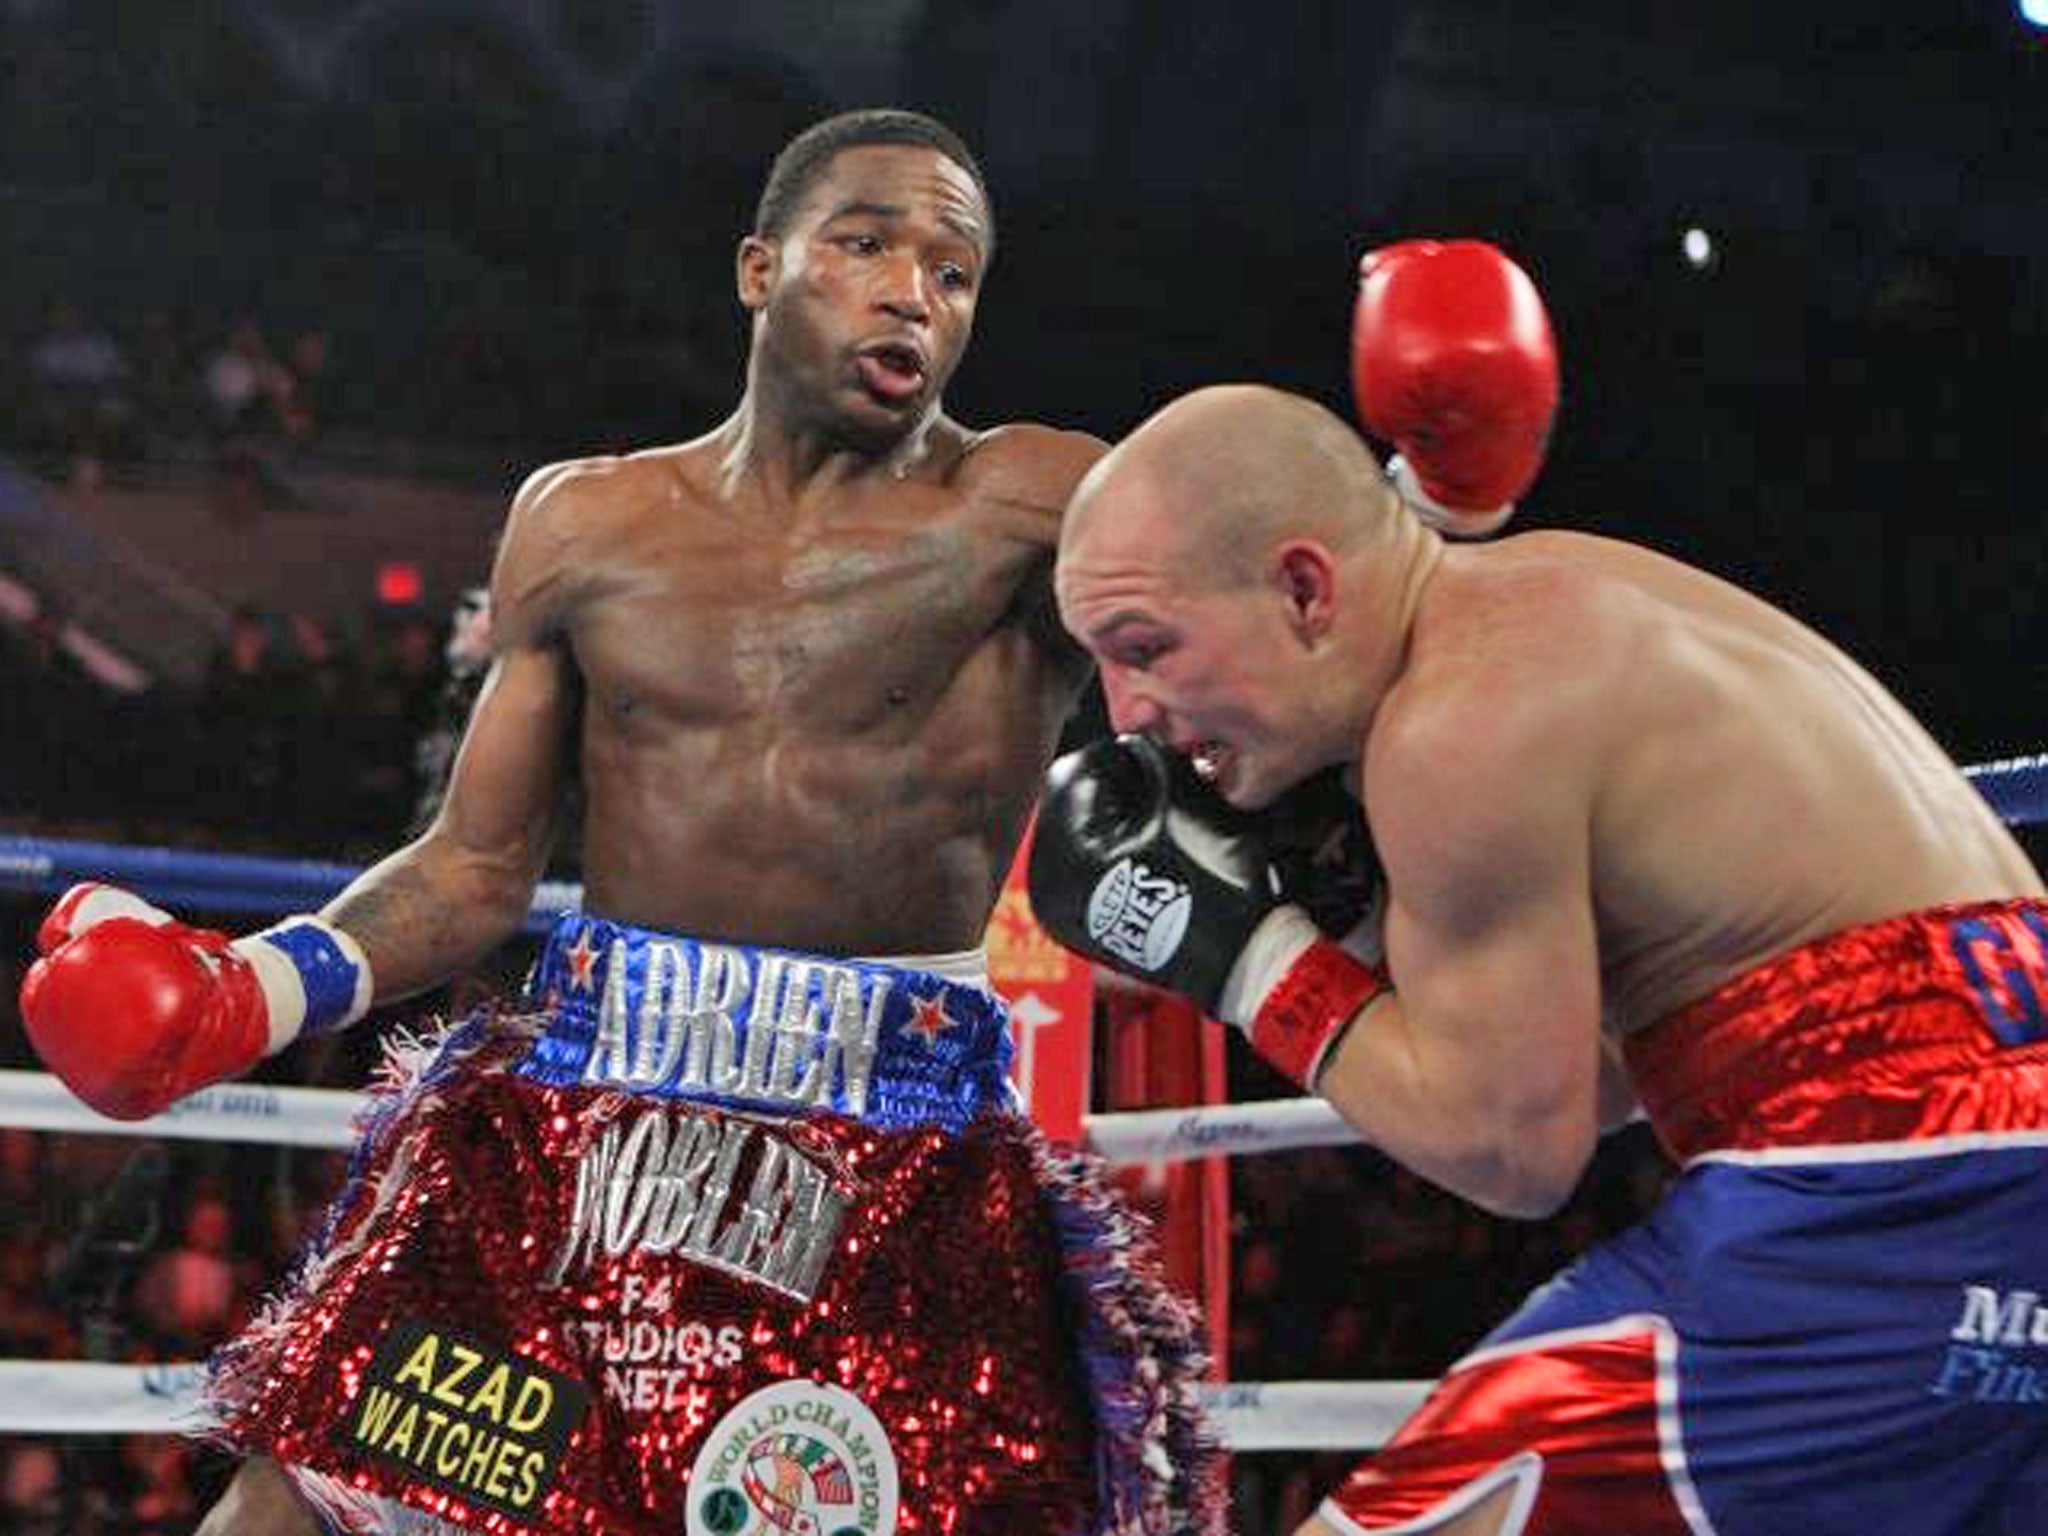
(806, 158)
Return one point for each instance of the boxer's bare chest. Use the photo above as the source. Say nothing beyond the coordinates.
(819, 724)
(832, 620)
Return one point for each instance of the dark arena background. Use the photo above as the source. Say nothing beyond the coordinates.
(294, 292)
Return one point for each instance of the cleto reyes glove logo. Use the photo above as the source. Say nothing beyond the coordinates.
(1139, 916)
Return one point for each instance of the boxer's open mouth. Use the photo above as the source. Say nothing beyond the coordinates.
(1207, 759)
(894, 370)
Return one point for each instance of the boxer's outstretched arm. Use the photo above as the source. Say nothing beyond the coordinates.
(134, 1009)
(1032, 471)
(1481, 1070)
(463, 887)
(454, 894)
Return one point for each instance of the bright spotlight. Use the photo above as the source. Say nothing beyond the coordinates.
(1698, 245)
(2034, 12)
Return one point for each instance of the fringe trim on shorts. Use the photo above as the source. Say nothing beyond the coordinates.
(346, 1510)
(411, 1079)
(1160, 1470)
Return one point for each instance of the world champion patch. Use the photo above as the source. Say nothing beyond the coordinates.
(481, 1422)
(800, 1458)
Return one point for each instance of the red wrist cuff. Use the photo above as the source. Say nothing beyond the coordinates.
(1319, 996)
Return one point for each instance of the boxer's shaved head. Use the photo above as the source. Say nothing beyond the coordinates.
(1218, 477)
(1228, 566)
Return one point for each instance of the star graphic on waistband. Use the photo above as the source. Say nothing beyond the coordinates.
(582, 961)
(928, 1018)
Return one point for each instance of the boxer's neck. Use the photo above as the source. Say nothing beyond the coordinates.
(773, 441)
(1384, 630)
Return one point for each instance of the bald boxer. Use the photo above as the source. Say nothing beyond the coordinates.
(734, 1225)
(1644, 836)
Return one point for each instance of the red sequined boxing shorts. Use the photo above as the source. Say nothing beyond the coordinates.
(725, 1242)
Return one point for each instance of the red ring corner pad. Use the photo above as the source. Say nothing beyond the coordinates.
(1582, 1425)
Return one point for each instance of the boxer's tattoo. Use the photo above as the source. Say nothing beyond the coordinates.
(406, 925)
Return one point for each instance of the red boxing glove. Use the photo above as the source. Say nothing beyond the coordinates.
(133, 1015)
(1453, 362)
(134, 1010)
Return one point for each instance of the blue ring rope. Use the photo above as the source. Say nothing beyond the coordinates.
(2017, 788)
(188, 880)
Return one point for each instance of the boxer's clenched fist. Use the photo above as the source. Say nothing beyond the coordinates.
(134, 1010)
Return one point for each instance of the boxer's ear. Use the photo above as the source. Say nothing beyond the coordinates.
(754, 269)
(1306, 576)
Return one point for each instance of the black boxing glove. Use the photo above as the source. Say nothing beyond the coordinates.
(1324, 861)
(1140, 866)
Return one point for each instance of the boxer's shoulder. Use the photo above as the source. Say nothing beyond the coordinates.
(1520, 665)
(570, 523)
(1028, 465)
(605, 493)
(1535, 606)
(569, 489)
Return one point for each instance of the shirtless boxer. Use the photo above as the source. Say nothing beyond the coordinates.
(736, 1226)
(1641, 834)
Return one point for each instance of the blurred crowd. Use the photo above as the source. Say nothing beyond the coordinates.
(119, 1250)
(298, 739)
(85, 394)
(300, 742)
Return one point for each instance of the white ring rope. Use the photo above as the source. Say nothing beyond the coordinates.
(295, 1117)
(1217, 1130)
(322, 1117)
(68, 1397)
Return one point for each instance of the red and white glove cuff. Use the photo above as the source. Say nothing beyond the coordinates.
(315, 978)
(1450, 521)
(89, 904)
(1294, 993)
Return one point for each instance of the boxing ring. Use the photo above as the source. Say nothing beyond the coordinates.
(58, 1397)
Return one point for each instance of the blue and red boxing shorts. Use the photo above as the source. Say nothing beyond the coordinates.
(1836, 1322)
(712, 1239)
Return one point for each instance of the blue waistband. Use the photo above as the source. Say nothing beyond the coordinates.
(645, 1012)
